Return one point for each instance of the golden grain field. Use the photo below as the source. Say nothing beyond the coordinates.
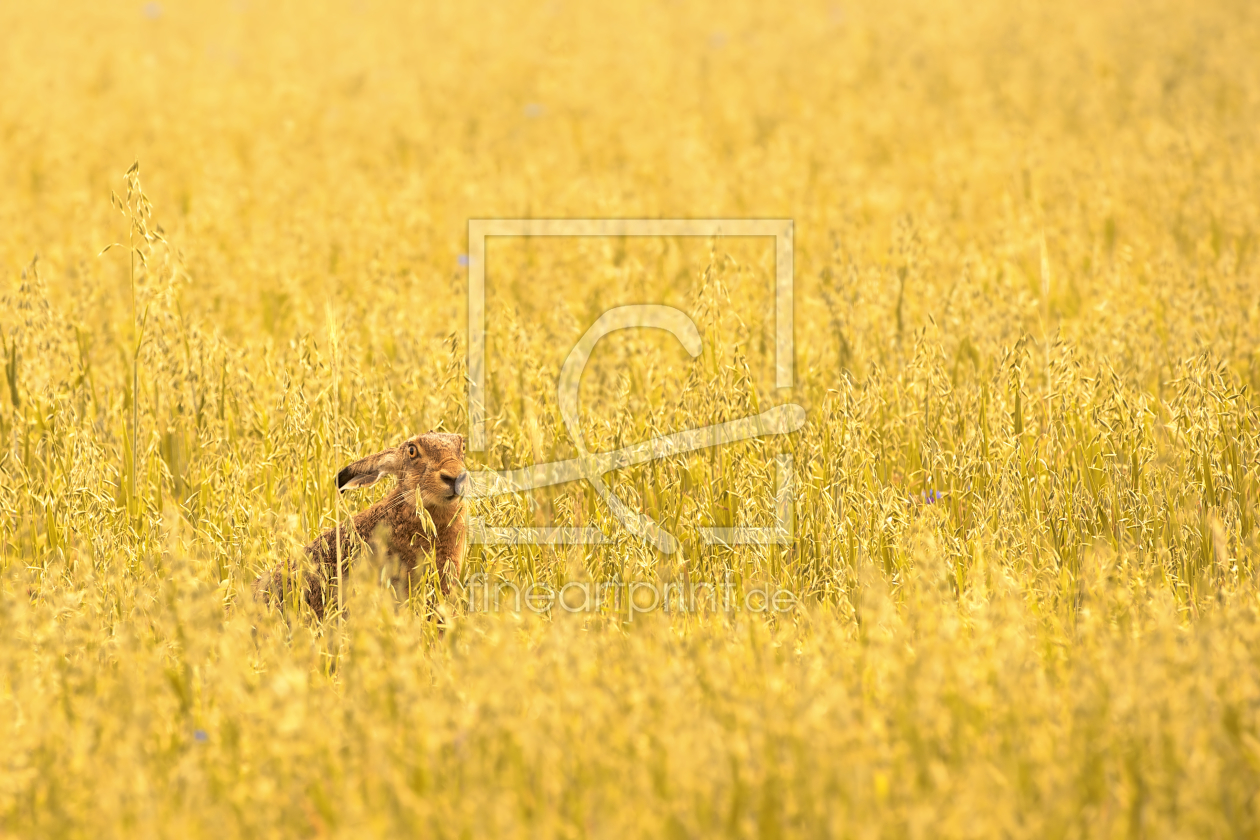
(1026, 524)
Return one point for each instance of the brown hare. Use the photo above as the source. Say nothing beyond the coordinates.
(430, 472)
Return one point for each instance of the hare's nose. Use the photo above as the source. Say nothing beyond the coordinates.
(457, 483)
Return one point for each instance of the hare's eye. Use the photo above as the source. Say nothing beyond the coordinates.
(412, 452)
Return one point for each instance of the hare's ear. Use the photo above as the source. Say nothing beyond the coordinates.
(368, 470)
(347, 479)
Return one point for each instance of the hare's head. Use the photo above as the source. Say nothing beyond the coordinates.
(430, 465)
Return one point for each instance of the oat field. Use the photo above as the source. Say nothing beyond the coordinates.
(1025, 531)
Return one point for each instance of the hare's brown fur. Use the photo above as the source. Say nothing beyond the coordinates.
(430, 466)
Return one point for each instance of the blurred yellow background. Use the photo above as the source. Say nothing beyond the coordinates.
(1027, 311)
